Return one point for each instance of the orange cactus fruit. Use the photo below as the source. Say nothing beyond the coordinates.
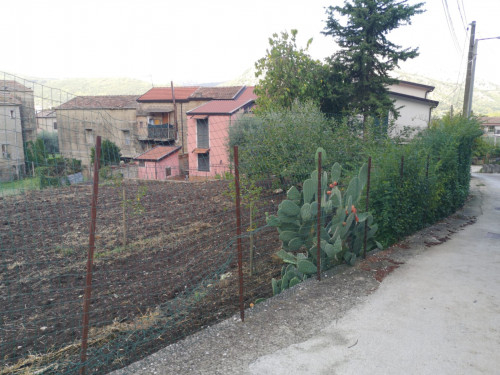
(328, 192)
(357, 219)
(331, 186)
(252, 305)
(353, 209)
(335, 183)
(346, 212)
(344, 223)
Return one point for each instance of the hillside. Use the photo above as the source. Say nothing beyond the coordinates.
(486, 99)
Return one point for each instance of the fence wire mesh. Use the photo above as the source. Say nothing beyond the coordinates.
(165, 261)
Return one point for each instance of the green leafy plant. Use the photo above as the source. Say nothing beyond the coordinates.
(342, 227)
(110, 153)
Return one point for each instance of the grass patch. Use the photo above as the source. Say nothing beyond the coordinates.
(19, 186)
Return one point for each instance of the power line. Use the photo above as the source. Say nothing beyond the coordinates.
(462, 16)
(451, 28)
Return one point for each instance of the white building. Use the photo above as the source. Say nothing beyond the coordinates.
(412, 104)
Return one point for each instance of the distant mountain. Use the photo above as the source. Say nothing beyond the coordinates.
(486, 98)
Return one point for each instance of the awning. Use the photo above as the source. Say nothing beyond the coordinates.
(201, 150)
(200, 117)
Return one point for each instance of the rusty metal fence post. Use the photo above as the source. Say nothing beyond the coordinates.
(368, 177)
(90, 258)
(318, 229)
(238, 230)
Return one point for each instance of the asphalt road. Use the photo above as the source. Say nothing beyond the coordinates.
(439, 313)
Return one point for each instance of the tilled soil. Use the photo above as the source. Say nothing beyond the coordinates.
(176, 273)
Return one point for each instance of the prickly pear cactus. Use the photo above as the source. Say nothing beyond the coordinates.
(342, 226)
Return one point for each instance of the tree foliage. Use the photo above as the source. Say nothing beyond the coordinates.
(366, 55)
(287, 73)
(110, 153)
(279, 142)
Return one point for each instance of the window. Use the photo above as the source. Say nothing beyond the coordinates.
(141, 124)
(126, 135)
(204, 162)
(168, 171)
(202, 133)
(12, 114)
(491, 129)
(5, 152)
(89, 136)
(55, 125)
(142, 163)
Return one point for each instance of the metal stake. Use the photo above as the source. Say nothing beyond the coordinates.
(238, 230)
(90, 258)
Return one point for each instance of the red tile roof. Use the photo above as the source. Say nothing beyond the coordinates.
(157, 153)
(158, 94)
(9, 85)
(101, 102)
(247, 94)
(226, 107)
(9, 99)
(47, 113)
(489, 121)
(217, 93)
(220, 107)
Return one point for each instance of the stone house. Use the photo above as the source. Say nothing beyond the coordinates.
(11, 138)
(208, 130)
(46, 120)
(82, 118)
(27, 107)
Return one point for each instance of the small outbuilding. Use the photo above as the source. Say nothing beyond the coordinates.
(159, 163)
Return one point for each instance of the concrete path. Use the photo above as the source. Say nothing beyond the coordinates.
(439, 313)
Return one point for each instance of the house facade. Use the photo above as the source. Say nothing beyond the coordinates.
(491, 128)
(157, 123)
(27, 106)
(208, 130)
(159, 163)
(46, 120)
(415, 109)
(11, 138)
(83, 118)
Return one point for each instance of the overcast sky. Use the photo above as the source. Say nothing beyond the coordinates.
(210, 41)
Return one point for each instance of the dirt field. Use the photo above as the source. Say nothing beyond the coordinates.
(164, 284)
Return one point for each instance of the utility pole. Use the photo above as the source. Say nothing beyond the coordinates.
(470, 61)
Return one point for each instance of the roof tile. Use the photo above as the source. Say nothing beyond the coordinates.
(101, 102)
(157, 153)
(165, 93)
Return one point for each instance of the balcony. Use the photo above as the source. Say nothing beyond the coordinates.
(160, 133)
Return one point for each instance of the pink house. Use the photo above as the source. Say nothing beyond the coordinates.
(208, 127)
(159, 163)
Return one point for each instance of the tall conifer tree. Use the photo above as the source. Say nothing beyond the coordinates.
(366, 55)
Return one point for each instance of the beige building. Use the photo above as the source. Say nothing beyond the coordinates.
(26, 108)
(46, 120)
(83, 118)
(11, 138)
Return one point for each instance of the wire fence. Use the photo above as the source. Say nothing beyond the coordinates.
(101, 267)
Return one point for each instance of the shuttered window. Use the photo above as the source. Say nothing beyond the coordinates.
(202, 133)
